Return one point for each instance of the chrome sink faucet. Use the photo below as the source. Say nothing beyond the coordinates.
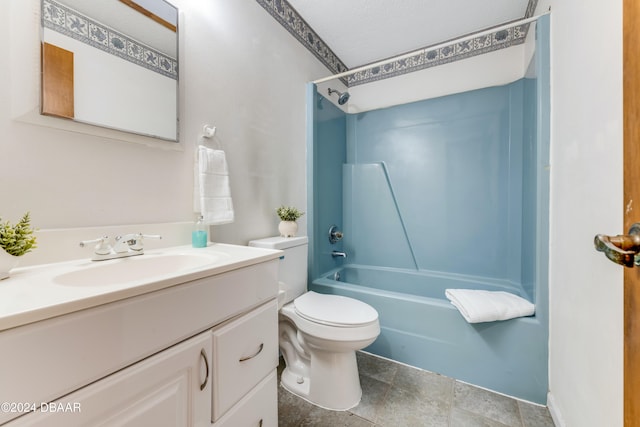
(124, 246)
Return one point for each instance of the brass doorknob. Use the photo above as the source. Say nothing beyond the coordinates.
(623, 249)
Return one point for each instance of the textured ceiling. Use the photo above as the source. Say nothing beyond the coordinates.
(363, 31)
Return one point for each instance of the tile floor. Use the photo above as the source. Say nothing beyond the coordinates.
(396, 395)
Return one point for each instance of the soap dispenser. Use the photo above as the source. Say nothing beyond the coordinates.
(199, 234)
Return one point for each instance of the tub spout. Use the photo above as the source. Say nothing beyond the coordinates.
(338, 254)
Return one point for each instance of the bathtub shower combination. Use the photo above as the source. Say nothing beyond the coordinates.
(445, 193)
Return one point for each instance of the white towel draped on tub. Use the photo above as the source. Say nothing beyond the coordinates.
(212, 193)
(487, 306)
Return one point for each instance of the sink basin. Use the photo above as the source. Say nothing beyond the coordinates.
(136, 268)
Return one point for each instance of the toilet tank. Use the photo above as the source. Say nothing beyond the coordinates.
(292, 272)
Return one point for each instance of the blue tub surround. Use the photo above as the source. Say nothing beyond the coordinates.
(450, 192)
(441, 183)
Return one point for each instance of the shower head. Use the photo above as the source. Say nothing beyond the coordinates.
(343, 97)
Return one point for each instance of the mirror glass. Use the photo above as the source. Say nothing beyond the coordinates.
(112, 63)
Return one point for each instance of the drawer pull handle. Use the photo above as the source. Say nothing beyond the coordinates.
(206, 364)
(244, 359)
(260, 423)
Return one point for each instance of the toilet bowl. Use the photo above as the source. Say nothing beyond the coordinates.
(318, 333)
(319, 348)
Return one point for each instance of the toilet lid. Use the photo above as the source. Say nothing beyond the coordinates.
(334, 310)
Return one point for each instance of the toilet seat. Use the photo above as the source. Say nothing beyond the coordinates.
(334, 310)
(318, 330)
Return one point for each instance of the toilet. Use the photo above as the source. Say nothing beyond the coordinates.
(319, 334)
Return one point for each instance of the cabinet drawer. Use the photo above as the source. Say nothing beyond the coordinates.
(245, 351)
(258, 408)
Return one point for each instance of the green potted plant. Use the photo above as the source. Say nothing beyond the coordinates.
(288, 215)
(15, 241)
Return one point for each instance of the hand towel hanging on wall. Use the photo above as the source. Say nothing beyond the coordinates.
(212, 192)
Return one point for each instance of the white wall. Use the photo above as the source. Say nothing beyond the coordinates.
(240, 71)
(586, 332)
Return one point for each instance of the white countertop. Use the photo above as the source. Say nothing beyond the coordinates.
(33, 293)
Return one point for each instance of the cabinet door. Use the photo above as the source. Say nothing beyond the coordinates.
(171, 388)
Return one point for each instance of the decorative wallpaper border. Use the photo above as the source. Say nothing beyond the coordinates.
(531, 9)
(289, 18)
(449, 53)
(64, 20)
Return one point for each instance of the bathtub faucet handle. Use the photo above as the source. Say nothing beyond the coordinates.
(334, 234)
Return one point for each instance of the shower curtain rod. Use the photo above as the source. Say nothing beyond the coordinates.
(433, 47)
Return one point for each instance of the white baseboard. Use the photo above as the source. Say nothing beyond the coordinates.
(554, 411)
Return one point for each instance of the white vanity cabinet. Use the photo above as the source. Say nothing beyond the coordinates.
(171, 389)
(204, 352)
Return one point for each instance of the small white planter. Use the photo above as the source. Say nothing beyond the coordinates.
(7, 262)
(288, 228)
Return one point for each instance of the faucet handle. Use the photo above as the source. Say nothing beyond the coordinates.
(102, 245)
(137, 238)
(150, 236)
(334, 234)
(141, 236)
